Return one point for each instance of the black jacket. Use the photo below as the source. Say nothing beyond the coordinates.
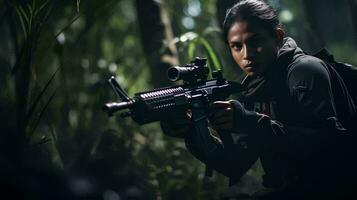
(304, 140)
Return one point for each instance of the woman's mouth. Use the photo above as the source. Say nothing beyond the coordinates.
(251, 67)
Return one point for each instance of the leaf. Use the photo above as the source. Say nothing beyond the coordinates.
(78, 3)
(30, 8)
(42, 112)
(191, 49)
(67, 25)
(42, 141)
(42, 6)
(21, 15)
(53, 132)
(38, 98)
(212, 54)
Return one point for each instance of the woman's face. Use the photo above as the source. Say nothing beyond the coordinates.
(252, 47)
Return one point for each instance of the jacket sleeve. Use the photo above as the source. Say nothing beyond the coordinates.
(320, 129)
(231, 158)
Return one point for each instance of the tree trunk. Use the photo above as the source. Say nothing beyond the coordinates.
(353, 8)
(222, 6)
(156, 30)
(334, 27)
(316, 39)
(232, 71)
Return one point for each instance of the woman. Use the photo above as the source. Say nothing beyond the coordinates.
(291, 117)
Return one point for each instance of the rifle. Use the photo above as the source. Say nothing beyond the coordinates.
(195, 94)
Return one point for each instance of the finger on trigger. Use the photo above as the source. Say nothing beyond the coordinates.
(220, 104)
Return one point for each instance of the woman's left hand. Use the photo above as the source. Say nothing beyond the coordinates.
(221, 116)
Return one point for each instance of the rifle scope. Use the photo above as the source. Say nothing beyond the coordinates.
(192, 72)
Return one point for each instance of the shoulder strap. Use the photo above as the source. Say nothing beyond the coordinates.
(325, 55)
(346, 71)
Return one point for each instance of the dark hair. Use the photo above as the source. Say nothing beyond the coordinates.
(253, 11)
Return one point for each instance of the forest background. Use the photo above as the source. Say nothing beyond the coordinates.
(56, 57)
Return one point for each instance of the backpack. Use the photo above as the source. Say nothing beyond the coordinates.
(347, 72)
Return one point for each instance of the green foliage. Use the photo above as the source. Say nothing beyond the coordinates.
(37, 101)
(77, 49)
(29, 14)
(193, 41)
(57, 57)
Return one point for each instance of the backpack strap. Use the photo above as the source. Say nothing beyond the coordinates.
(325, 55)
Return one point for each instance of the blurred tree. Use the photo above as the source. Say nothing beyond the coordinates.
(327, 27)
(157, 39)
(231, 69)
(222, 6)
(353, 10)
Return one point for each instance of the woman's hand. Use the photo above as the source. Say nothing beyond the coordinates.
(233, 117)
(222, 116)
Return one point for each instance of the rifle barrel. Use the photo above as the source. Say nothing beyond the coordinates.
(115, 106)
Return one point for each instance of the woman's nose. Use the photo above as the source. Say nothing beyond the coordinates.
(249, 52)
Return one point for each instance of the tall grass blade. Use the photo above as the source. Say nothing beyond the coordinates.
(53, 132)
(42, 6)
(42, 112)
(69, 24)
(20, 16)
(191, 49)
(38, 98)
(43, 140)
(30, 17)
(212, 54)
(78, 3)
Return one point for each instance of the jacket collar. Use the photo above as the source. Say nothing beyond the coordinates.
(261, 88)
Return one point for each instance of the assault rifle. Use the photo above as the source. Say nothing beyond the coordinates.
(195, 94)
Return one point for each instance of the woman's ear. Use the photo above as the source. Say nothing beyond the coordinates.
(280, 34)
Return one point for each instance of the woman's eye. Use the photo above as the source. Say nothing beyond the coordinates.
(236, 47)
